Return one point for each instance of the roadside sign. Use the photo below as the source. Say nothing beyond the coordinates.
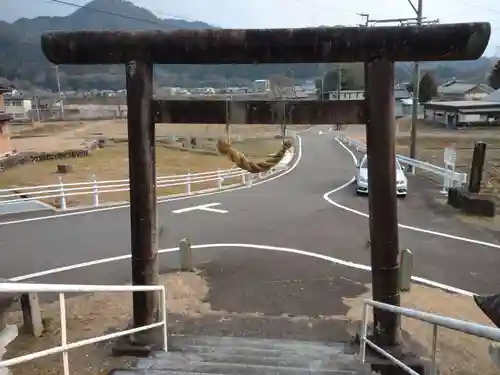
(450, 155)
(450, 158)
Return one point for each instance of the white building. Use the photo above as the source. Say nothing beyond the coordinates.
(462, 113)
(17, 106)
(261, 85)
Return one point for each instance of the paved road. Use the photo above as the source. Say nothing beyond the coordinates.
(289, 212)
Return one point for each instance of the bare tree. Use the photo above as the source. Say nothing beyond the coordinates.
(228, 115)
(280, 86)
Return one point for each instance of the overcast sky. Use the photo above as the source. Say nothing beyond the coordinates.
(284, 13)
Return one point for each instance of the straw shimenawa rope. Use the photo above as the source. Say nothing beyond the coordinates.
(237, 157)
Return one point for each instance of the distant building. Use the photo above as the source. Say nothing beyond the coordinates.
(402, 99)
(261, 85)
(493, 97)
(309, 87)
(463, 113)
(17, 106)
(5, 143)
(456, 91)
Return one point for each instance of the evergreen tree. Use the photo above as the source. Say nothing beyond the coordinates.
(494, 79)
(427, 88)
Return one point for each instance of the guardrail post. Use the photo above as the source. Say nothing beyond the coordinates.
(249, 179)
(95, 192)
(405, 270)
(220, 179)
(62, 194)
(412, 169)
(447, 181)
(494, 352)
(7, 335)
(185, 255)
(243, 178)
(188, 184)
(32, 315)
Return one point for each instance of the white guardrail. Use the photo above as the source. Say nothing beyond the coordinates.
(474, 329)
(95, 188)
(449, 176)
(65, 346)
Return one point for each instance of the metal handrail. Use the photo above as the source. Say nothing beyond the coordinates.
(63, 288)
(475, 329)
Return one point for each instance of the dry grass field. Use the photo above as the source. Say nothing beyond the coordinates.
(111, 162)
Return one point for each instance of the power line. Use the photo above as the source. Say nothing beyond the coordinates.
(168, 15)
(419, 20)
(479, 6)
(105, 12)
(405, 21)
(97, 10)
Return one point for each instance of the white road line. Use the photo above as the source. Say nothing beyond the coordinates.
(326, 197)
(358, 266)
(217, 210)
(201, 207)
(281, 174)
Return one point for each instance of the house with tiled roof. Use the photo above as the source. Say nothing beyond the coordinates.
(456, 90)
(5, 143)
(493, 97)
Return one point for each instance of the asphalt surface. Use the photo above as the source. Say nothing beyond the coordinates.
(289, 212)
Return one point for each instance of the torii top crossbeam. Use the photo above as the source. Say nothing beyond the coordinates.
(461, 41)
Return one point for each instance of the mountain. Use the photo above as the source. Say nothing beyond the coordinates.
(102, 15)
(22, 61)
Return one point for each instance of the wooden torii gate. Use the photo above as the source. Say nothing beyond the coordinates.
(377, 47)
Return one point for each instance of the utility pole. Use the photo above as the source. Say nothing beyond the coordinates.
(37, 107)
(228, 115)
(401, 21)
(339, 80)
(61, 101)
(419, 20)
(366, 18)
(416, 91)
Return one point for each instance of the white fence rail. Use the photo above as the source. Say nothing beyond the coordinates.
(63, 190)
(65, 346)
(436, 320)
(449, 177)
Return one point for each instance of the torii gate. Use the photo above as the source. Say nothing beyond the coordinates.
(377, 47)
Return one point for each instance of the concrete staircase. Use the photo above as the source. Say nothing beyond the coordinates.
(190, 355)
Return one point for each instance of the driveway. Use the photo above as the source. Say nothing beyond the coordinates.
(289, 212)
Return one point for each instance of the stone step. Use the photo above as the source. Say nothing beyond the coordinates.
(206, 350)
(169, 372)
(153, 372)
(299, 361)
(167, 367)
(260, 343)
(215, 355)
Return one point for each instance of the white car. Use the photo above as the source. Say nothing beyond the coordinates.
(362, 179)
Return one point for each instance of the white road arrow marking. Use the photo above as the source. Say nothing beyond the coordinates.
(202, 207)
